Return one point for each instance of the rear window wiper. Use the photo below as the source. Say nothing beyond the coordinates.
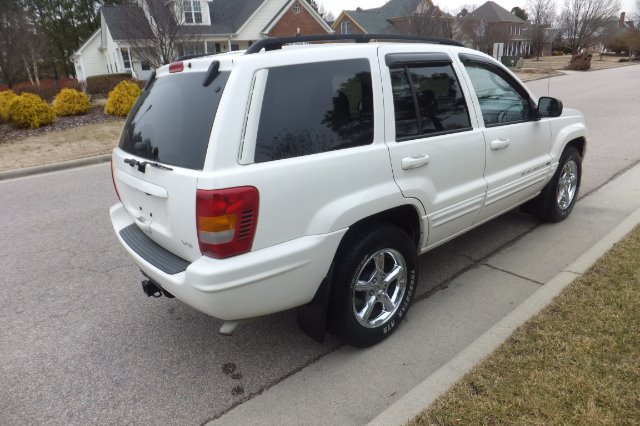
(142, 165)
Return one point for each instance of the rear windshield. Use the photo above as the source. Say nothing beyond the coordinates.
(171, 121)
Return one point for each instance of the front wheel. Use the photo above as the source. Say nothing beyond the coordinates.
(374, 282)
(557, 199)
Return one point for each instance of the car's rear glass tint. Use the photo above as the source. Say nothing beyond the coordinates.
(172, 120)
(314, 108)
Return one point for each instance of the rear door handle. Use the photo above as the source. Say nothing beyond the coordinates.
(415, 161)
(498, 144)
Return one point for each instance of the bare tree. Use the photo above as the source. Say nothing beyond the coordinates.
(425, 19)
(542, 14)
(583, 19)
(155, 28)
(629, 40)
(479, 34)
(12, 29)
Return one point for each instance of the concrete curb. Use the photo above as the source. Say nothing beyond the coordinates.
(28, 171)
(425, 393)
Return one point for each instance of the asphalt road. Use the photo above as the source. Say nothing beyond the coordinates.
(80, 344)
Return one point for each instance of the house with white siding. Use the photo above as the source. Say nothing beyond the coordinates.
(207, 27)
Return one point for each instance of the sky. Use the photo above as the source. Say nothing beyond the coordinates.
(336, 6)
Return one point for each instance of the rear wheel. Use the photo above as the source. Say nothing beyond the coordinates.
(374, 282)
(557, 199)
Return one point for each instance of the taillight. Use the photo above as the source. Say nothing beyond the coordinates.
(226, 220)
(113, 179)
(176, 67)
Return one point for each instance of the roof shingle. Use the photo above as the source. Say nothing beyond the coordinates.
(493, 12)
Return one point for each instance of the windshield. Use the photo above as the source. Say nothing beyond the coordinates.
(172, 119)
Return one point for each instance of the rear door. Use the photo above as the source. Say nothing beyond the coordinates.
(437, 153)
(162, 153)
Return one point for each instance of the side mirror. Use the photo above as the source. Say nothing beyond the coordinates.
(549, 107)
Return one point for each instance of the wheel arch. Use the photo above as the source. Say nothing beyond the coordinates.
(312, 318)
(579, 143)
(405, 217)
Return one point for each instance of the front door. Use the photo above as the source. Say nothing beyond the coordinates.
(517, 143)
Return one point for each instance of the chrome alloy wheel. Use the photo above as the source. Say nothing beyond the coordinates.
(567, 185)
(379, 288)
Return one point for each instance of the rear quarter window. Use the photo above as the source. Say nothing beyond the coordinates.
(172, 119)
(314, 108)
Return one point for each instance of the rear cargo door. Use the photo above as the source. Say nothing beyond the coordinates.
(161, 155)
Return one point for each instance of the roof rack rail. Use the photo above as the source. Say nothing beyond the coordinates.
(276, 43)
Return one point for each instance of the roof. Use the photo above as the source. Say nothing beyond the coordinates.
(227, 17)
(116, 18)
(377, 20)
(493, 12)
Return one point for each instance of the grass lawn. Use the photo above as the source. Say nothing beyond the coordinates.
(577, 362)
(560, 62)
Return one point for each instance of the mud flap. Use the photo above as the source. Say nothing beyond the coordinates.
(312, 317)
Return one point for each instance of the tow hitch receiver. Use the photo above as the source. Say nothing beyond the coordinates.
(151, 289)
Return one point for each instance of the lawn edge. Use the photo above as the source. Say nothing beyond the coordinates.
(53, 167)
(424, 394)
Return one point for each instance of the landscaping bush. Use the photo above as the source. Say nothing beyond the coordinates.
(6, 97)
(103, 84)
(122, 98)
(71, 102)
(30, 111)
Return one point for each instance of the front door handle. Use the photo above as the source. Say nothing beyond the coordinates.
(415, 161)
(498, 144)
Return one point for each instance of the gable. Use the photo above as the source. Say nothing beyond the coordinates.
(344, 17)
(294, 15)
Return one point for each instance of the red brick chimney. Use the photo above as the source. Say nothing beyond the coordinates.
(621, 23)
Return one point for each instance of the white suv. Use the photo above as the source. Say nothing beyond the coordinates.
(312, 176)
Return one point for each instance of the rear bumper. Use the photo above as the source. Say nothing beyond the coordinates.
(257, 283)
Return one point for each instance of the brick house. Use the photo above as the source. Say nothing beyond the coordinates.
(413, 17)
(212, 26)
(491, 23)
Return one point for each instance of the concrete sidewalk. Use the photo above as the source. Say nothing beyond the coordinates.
(448, 333)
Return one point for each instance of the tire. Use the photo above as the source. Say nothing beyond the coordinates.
(556, 201)
(374, 283)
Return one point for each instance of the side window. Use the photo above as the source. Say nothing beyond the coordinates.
(500, 101)
(313, 108)
(428, 100)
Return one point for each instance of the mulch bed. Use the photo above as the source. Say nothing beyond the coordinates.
(96, 115)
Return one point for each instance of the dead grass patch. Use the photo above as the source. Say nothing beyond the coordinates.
(62, 145)
(577, 362)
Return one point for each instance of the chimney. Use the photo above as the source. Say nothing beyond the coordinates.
(621, 23)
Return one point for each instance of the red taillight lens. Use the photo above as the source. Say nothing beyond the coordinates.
(176, 67)
(226, 220)
(113, 179)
